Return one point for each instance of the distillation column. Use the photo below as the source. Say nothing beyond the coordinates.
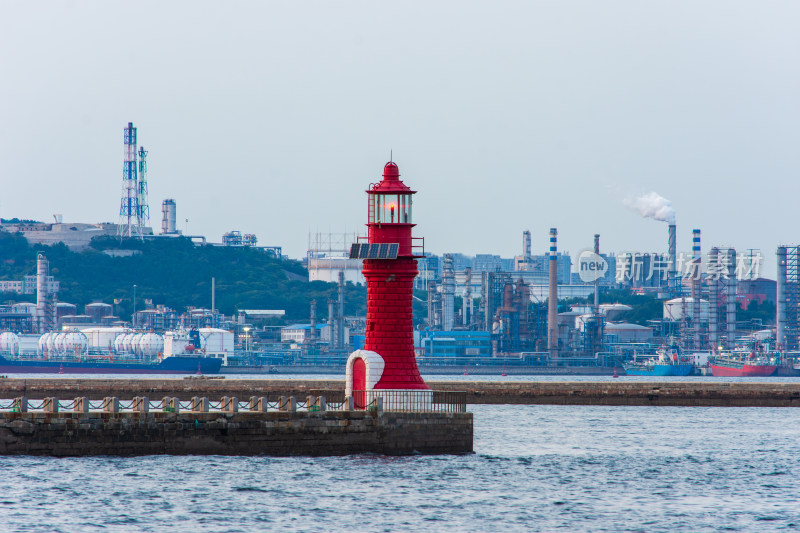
(780, 319)
(715, 270)
(448, 293)
(696, 292)
(552, 299)
(730, 299)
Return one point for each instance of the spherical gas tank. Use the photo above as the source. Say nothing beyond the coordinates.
(9, 343)
(51, 342)
(134, 343)
(58, 343)
(118, 343)
(126, 342)
(75, 343)
(43, 343)
(151, 344)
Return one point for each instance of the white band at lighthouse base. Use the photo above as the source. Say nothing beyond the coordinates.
(374, 363)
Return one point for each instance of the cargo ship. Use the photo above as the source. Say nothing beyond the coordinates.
(125, 352)
(743, 364)
(178, 364)
(661, 364)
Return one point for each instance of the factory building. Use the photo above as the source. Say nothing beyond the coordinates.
(329, 254)
(28, 285)
(76, 236)
(452, 344)
(235, 238)
(301, 334)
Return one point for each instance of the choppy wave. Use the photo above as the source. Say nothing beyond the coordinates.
(536, 468)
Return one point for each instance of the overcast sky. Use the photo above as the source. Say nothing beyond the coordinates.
(273, 117)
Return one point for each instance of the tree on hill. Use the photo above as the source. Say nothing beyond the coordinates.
(176, 273)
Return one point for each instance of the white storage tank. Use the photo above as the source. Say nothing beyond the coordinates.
(75, 343)
(9, 343)
(58, 343)
(29, 344)
(151, 344)
(127, 342)
(215, 340)
(101, 339)
(119, 342)
(50, 343)
(133, 343)
(43, 349)
(674, 309)
(25, 308)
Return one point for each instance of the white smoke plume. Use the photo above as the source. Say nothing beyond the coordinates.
(652, 205)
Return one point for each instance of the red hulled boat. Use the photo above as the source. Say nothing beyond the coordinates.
(743, 364)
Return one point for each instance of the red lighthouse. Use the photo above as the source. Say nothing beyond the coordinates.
(390, 266)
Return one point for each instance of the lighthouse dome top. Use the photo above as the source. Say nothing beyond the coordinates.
(390, 171)
(391, 181)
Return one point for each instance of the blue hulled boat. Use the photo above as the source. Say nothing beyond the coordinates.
(661, 364)
(178, 364)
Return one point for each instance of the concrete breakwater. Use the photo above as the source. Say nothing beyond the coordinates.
(622, 392)
(179, 429)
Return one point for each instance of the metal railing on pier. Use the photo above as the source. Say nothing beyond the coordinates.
(373, 400)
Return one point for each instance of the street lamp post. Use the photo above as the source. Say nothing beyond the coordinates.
(133, 318)
(246, 338)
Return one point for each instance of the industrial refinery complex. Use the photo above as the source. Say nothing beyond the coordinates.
(547, 311)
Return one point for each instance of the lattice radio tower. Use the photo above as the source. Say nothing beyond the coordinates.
(134, 213)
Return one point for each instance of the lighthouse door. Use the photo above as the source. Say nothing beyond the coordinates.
(359, 383)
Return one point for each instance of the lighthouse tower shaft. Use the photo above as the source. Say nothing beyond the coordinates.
(390, 330)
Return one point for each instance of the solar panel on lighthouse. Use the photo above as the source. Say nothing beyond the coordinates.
(374, 250)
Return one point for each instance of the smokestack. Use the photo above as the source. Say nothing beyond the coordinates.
(713, 298)
(526, 246)
(332, 322)
(484, 303)
(466, 304)
(730, 298)
(432, 304)
(312, 335)
(213, 294)
(696, 292)
(448, 293)
(596, 292)
(672, 282)
(780, 320)
(552, 300)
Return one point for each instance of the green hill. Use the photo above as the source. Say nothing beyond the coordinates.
(175, 273)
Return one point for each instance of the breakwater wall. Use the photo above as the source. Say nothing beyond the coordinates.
(82, 432)
(622, 392)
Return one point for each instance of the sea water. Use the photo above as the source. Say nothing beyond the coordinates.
(535, 468)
